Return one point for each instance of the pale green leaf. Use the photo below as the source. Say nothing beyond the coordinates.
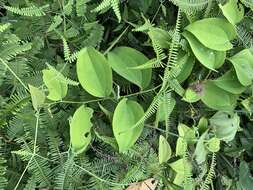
(80, 126)
(186, 63)
(165, 152)
(201, 151)
(38, 97)
(191, 96)
(94, 72)
(127, 114)
(122, 59)
(213, 144)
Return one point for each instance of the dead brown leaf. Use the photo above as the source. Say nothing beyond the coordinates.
(149, 184)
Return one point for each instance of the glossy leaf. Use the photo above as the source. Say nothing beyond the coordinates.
(165, 152)
(57, 89)
(233, 11)
(214, 33)
(229, 82)
(217, 98)
(94, 72)
(122, 59)
(225, 125)
(209, 58)
(38, 97)
(243, 64)
(80, 126)
(126, 114)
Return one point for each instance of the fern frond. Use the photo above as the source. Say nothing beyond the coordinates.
(210, 175)
(4, 27)
(67, 9)
(3, 168)
(103, 5)
(27, 11)
(56, 22)
(81, 7)
(190, 6)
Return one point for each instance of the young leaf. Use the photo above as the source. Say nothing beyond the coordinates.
(201, 151)
(38, 97)
(213, 144)
(214, 33)
(209, 58)
(57, 89)
(164, 150)
(80, 125)
(243, 64)
(225, 125)
(217, 98)
(94, 72)
(122, 59)
(229, 82)
(186, 62)
(126, 114)
(233, 11)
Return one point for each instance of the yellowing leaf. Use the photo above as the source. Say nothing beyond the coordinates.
(123, 59)
(94, 73)
(57, 89)
(38, 97)
(233, 11)
(80, 126)
(214, 33)
(165, 152)
(126, 114)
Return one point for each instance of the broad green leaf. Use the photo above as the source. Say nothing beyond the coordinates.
(213, 144)
(94, 72)
(186, 133)
(245, 177)
(186, 63)
(243, 64)
(126, 114)
(201, 151)
(209, 58)
(225, 125)
(80, 126)
(217, 98)
(57, 89)
(191, 96)
(202, 125)
(214, 33)
(233, 11)
(229, 82)
(161, 37)
(165, 152)
(38, 97)
(122, 59)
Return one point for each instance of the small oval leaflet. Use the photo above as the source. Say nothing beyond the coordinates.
(164, 150)
(80, 127)
(126, 114)
(94, 73)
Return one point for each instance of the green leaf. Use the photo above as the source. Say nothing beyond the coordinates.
(186, 63)
(80, 126)
(201, 151)
(191, 96)
(94, 72)
(126, 114)
(233, 11)
(245, 177)
(57, 89)
(243, 64)
(217, 98)
(202, 125)
(214, 33)
(38, 97)
(229, 82)
(186, 133)
(213, 144)
(161, 36)
(209, 58)
(165, 152)
(225, 125)
(181, 166)
(122, 59)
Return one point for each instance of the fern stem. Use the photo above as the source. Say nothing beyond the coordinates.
(14, 74)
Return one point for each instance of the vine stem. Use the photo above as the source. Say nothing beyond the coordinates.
(14, 74)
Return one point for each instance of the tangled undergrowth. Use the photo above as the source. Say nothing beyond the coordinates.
(126, 94)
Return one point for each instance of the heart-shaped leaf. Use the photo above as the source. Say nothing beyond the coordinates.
(243, 64)
(127, 114)
(164, 150)
(122, 59)
(233, 11)
(38, 97)
(94, 72)
(80, 126)
(225, 125)
(57, 89)
(229, 82)
(213, 144)
(209, 58)
(214, 33)
(217, 98)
